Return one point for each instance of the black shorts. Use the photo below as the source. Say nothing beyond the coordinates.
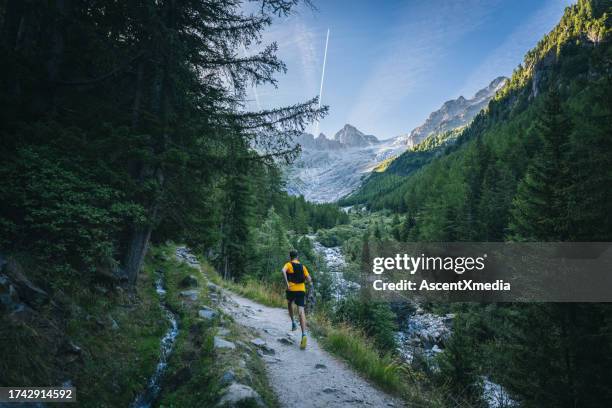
(296, 297)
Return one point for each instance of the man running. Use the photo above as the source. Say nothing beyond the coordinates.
(295, 275)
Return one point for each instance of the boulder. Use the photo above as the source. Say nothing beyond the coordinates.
(189, 281)
(221, 343)
(207, 313)
(240, 395)
(190, 294)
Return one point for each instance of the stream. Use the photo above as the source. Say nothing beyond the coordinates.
(420, 332)
(150, 394)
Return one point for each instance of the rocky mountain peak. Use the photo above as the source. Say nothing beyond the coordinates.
(350, 136)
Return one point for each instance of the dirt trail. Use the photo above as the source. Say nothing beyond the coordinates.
(302, 378)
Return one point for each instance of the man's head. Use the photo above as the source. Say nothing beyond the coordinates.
(293, 254)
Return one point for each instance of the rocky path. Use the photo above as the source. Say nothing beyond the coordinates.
(301, 378)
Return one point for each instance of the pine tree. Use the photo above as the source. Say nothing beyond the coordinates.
(540, 208)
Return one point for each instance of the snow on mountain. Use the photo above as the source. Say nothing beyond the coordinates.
(329, 169)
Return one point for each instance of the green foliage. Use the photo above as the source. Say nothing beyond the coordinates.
(459, 367)
(113, 136)
(56, 207)
(540, 208)
(302, 216)
(377, 320)
(272, 247)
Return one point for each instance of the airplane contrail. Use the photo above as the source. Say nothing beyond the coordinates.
(253, 88)
(322, 78)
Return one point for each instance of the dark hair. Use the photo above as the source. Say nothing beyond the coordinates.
(293, 254)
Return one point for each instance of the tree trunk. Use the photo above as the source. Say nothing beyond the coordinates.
(13, 16)
(139, 241)
(137, 249)
(56, 50)
(138, 94)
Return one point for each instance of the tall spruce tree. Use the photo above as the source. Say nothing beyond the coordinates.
(540, 208)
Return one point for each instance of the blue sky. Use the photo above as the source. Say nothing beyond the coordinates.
(391, 63)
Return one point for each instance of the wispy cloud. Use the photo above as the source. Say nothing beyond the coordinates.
(512, 50)
(415, 50)
(300, 47)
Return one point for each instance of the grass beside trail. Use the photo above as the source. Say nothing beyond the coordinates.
(360, 353)
(384, 370)
(272, 295)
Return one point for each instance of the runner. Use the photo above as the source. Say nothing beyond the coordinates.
(295, 275)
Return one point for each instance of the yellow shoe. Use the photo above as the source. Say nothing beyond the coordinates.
(303, 343)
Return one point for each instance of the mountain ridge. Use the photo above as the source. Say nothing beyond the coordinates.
(453, 113)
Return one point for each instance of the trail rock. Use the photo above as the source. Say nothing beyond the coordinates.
(329, 390)
(320, 366)
(258, 342)
(286, 341)
(263, 348)
(221, 343)
(238, 395)
(189, 281)
(207, 313)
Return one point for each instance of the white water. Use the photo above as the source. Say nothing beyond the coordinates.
(335, 261)
(148, 397)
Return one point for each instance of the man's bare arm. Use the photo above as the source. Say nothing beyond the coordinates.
(285, 276)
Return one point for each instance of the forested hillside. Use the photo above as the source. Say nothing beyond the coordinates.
(556, 107)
